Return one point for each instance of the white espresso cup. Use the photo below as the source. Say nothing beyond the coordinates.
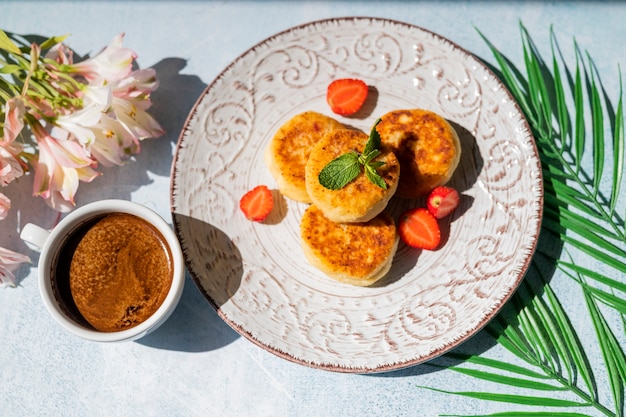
(57, 254)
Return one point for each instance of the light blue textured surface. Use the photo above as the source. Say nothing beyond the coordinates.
(195, 365)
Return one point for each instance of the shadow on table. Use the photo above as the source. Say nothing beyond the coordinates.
(193, 327)
(216, 266)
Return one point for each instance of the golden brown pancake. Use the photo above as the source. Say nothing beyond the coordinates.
(353, 253)
(426, 145)
(288, 152)
(360, 200)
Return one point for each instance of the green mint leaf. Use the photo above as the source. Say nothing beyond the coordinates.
(376, 164)
(340, 171)
(365, 159)
(373, 143)
(374, 177)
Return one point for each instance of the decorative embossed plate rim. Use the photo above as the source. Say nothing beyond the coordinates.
(255, 274)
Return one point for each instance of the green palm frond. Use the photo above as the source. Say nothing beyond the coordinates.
(580, 139)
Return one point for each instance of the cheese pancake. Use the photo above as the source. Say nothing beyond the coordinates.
(353, 253)
(360, 200)
(426, 145)
(288, 152)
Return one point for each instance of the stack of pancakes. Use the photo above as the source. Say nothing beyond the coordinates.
(345, 232)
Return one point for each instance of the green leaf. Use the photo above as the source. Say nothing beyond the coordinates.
(574, 197)
(525, 414)
(516, 399)
(556, 336)
(533, 332)
(8, 45)
(50, 42)
(574, 221)
(574, 346)
(509, 77)
(600, 255)
(579, 138)
(366, 158)
(563, 117)
(614, 359)
(507, 380)
(340, 171)
(608, 299)
(600, 278)
(537, 86)
(373, 142)
(10, 69)
(374, 177)
(508, 337)
(496, 364)
(618, 151)
(597, 124)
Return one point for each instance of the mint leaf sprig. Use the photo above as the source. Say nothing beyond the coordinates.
(345, 168)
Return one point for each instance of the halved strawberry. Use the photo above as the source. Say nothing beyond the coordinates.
(418, 228)
(346, 95)
(257, 203)
(442, 201)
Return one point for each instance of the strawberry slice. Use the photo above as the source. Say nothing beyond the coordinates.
(346, 95)
(442, 201)
(418, 228)
(257, 203)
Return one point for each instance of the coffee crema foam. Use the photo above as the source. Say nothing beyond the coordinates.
(120, 272)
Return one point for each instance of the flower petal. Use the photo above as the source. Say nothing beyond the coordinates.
(9, 262)
(14, 113)
(59, 168)
(114, 143)
(6, 277)
(113, 63)
(136, 120)
(12, 260)
(61, 54)
(11, 167)
(80, 123)
(138, 85)
(67, 153)
(5, 206)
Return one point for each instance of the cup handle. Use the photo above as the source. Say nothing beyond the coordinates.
(34, 236)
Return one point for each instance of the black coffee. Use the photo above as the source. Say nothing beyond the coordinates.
(113, 272)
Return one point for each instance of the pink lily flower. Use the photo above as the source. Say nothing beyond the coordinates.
(9, 262)
(13, 119)
(114, 144)
(11, 166)
(131, 99)
(141, 124)
(80, 123)
(59, 168)
(61, 54)
(137, 86)
(5, 206)
(113, 63)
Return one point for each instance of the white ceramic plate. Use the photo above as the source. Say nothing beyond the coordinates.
(255, 274)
